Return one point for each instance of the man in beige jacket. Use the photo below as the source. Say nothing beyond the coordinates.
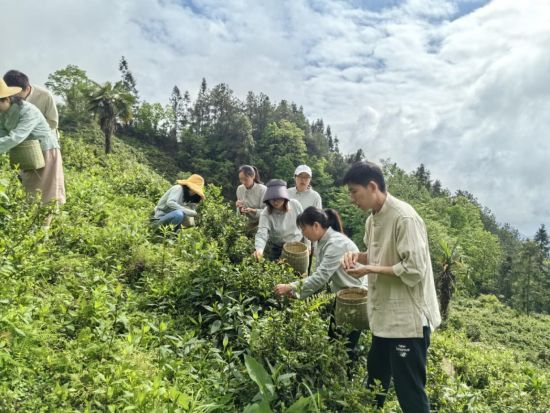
(402, 303)
(38, 96)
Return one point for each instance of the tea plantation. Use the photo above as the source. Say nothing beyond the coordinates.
(101, 314)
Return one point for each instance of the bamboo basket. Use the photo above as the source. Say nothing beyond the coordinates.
(28, 155)
(297, 256)
(351, 308)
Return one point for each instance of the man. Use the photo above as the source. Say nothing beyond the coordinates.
(38, 96)
(402, 302)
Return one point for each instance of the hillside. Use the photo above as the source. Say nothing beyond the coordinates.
(104, 315)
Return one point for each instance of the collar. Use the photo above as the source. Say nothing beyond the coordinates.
(385, 206)
(326, 237)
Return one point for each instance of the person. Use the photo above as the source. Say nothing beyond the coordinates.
(303, 192)
(402, 303)
(250, 195)
(277, 221)
(38, 96)
(325, 228)
(19, 121)
(179, 203)
(306, 196)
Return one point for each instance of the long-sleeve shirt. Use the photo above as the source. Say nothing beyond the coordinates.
(252, 198)
(44, 101)
(330, 250)
(279, 226)
(398, 304)
(22, 122)
(306, 198)
(172, 200)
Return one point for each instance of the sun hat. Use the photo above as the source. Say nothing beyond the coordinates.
(195, 183)
(6, 90)
(276, 189)
(303, 168)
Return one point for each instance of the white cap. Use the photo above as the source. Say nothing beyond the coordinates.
(303, 168)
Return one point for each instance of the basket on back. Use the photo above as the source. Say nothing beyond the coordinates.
(351, 308)
(297, 255)
(28, 155)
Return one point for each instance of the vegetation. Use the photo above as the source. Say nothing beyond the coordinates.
(104, 314)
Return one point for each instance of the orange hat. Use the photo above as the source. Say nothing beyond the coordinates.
(195, 183)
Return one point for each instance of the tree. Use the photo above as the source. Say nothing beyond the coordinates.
(128, 78)
(446, 280)
(74, 87)
(111, 103)
(423, 177)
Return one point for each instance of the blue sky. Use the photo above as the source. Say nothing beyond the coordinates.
(461, 86)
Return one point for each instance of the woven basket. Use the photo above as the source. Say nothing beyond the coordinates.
(351, 308)
(188, 222)
(28, 155)
(297, 256)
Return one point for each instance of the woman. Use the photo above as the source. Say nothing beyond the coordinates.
(20, 121)
(306, 196)
(250, 194)
(179, 202)
(325, 227)
(303, 192)
(277, 220)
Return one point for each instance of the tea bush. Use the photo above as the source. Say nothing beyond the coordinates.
(103, 314)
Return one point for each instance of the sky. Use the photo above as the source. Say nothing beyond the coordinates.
(462, 86)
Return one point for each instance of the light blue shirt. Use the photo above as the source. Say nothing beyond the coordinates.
(329, 252)
(22, 122)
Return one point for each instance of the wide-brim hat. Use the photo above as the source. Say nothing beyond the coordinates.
(6, 90)
(195, 183)
(276, 189)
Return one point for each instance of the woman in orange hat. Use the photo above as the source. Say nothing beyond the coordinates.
(180, 202)
(21, 121)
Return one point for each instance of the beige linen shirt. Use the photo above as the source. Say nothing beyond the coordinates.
(398, 304)
(43, 100)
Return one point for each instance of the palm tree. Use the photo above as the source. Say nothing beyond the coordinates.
(110, 103)
(446, 280)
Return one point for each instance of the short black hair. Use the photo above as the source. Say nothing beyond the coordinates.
(16, 78)
(363, 172)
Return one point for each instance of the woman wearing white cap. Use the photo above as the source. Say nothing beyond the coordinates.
(278, 220)
(21, 121)
(303, 192)
(306, 196)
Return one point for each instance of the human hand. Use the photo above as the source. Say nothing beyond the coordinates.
(258, 254)
(283, 289)
(349, 260)
(359, 271)
(239, 204)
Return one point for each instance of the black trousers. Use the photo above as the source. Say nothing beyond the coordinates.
(404, 359)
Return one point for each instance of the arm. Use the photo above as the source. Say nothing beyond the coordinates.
(51, 113)
(319, 202)
(262, 235)
(24, 128)
(329, 265)
(174, 197)
(411, 248)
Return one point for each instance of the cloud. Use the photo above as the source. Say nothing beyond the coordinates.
(461, 86)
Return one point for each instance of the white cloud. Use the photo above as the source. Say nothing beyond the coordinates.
(416, 81)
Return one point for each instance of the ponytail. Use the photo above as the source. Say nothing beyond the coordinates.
(326, 218)
(251, 171)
